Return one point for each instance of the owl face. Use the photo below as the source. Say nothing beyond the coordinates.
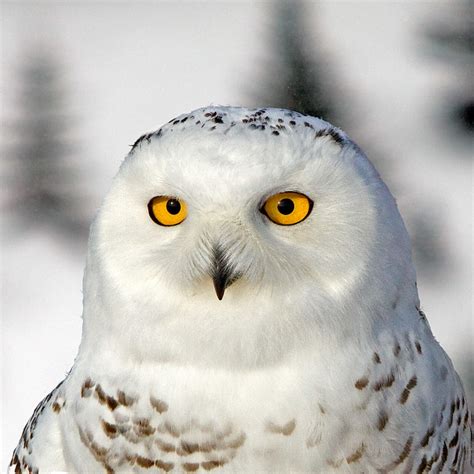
(226, 211)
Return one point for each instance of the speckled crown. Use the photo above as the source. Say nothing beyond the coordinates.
(221, 119)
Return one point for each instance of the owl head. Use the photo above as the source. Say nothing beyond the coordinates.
(235, 234)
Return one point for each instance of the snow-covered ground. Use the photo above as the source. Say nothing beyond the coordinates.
(133, 67)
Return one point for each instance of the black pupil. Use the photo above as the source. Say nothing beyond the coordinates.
(286, 206)
(173, 206)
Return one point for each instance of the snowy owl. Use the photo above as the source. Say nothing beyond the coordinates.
(250, 306)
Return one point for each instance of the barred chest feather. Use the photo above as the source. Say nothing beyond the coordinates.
(388, 414)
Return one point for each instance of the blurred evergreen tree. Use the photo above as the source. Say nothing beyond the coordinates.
(452, 41)
(45, 187)
(298, 78)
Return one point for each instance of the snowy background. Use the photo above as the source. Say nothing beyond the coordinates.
(81, 81)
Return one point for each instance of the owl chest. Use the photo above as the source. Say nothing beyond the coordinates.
(190, 421)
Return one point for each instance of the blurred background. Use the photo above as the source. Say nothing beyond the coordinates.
(80, 81)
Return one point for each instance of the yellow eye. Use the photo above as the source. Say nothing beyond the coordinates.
(287, 208)
(167, 211)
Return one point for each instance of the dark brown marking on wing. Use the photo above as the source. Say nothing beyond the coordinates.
(422, 466)
(406, 391)
(208, 465)
(382, 421)
(165, 447)
(169, 428)
(402, 457)
(426, 438)
(86, 389)
(454, 440)
(124, 399)
(159, 405)
(190, 466)
(356, 455)
(142, 427)
(166, 466)
(361, 383)
(186, 448)
(285, 429)
(444, 457)
(396, 349)
(105, 399)
(451, 413)
(384, 382)
(110, 430)
(145, 462)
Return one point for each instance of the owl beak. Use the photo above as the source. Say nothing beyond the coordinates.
(222, 274)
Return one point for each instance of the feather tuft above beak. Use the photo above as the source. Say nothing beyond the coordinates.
(222, 274)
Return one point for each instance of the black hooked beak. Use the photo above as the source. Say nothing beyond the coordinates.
(222, 274)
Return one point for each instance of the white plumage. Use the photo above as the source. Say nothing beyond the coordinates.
(316, 359)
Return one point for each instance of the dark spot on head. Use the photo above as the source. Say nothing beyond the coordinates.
(330, 132)
(275, 132)
(184, 119)
(418, 347)
(376, 358)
